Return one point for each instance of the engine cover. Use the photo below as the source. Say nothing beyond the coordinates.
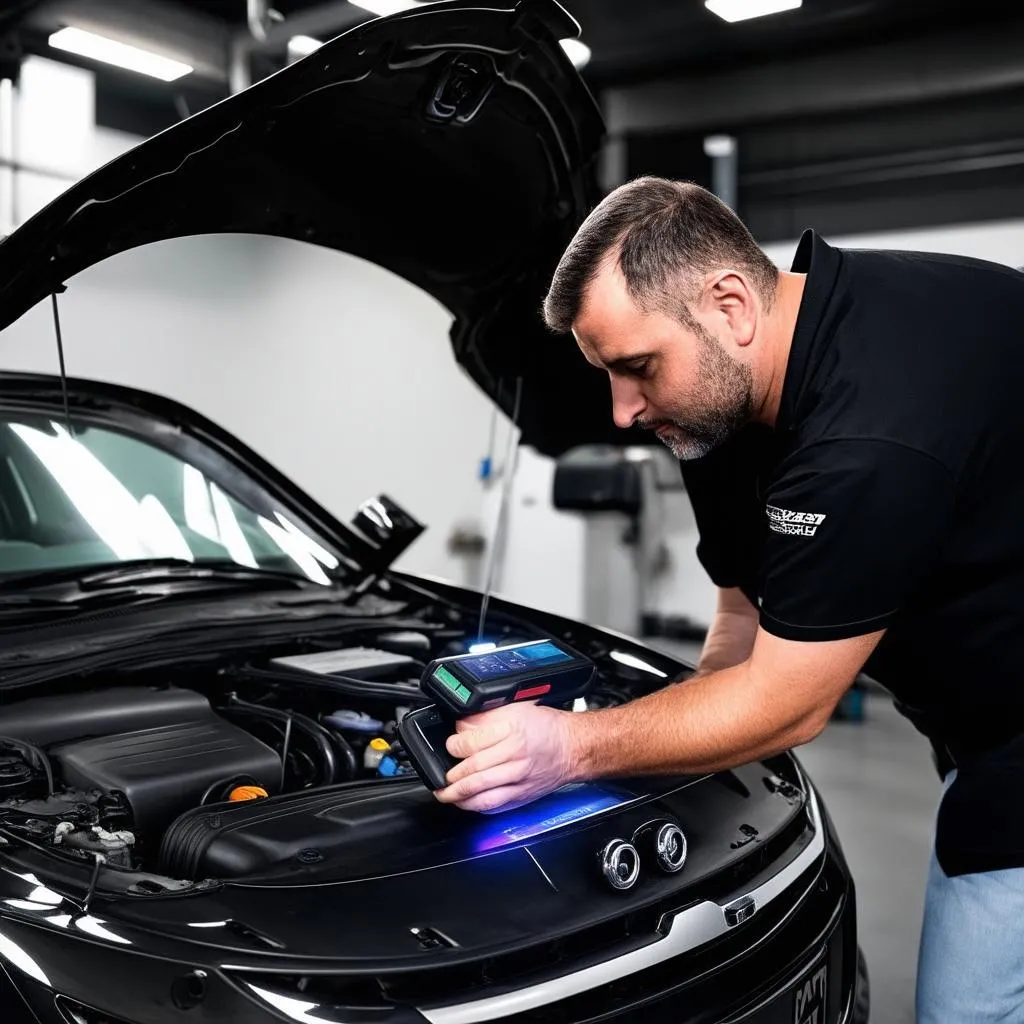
(165, 770)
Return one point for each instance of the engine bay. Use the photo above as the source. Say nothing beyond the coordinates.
(241, 766)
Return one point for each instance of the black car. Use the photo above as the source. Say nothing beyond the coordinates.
(206, 814)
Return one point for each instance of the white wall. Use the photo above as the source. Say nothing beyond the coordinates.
(1001, 242)
(337, 371)
(55, 133)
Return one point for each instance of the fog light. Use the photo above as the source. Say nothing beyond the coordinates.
(620, 864)
(670, 847)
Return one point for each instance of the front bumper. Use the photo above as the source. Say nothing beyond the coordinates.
(749, 970)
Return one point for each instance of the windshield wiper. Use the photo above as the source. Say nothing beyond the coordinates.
(150, 570)
(21, 609)
(32, 602)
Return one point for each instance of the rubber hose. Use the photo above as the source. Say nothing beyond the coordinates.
(322, 739)
(36, 753)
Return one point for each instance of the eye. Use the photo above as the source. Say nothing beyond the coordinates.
(639, 367)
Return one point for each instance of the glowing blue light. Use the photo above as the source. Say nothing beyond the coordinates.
(565, 807)
(481, 648)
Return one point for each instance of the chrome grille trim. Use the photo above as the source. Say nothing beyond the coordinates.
(689, 929)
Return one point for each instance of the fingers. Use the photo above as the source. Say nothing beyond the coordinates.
(473, 736)
(505, 751)
(506, 798)
(507, 773)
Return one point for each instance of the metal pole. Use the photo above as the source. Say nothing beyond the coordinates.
(239, 72)
(724, 167)
(8, 200)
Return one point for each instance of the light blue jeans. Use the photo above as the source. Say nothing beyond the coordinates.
(971, 961)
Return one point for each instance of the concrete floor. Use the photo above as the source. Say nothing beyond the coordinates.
(877, 780)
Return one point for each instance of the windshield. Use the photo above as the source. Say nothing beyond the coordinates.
(101, 496)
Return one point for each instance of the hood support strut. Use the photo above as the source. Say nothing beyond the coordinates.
(60, 357)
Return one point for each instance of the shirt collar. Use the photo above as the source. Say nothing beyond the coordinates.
(820, 262)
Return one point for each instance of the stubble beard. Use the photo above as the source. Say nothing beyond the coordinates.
(720, 406)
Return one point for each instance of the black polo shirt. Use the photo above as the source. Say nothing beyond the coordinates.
(890, 495)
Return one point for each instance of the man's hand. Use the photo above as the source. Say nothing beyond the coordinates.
(780, 697)
(512, 755)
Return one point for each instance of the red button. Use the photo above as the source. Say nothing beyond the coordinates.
(533, 691)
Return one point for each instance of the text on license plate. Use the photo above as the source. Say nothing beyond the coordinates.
(809, 998)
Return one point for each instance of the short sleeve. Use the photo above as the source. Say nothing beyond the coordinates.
(854, 528)
(723, 491)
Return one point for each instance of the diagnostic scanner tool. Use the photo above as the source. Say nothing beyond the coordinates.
(539, 670)
(465, 684)
(424, 733)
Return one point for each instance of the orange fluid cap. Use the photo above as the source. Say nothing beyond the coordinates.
(247, 793)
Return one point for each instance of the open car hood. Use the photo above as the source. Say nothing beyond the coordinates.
(453, 145)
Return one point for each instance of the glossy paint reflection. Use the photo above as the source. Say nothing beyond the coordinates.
(19, 958)
(295, 1009)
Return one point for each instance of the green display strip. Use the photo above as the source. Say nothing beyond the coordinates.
(443, 675)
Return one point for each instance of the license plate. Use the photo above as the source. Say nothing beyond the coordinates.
(809, 997)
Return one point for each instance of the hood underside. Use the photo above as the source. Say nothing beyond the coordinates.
(453, 145)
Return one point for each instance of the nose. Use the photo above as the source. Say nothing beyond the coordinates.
(628, 402)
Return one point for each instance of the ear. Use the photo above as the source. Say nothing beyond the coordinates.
(732, 298)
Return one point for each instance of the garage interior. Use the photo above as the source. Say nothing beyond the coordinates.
(891, 124)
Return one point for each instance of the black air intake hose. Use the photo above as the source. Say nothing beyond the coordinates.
(337, 758)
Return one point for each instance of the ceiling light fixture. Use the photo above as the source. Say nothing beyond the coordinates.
(743, 10)
(122, 55)
(303, 46)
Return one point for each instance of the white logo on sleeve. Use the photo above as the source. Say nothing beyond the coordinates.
(801, 524)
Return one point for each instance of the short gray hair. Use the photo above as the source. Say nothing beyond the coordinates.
(663, 233)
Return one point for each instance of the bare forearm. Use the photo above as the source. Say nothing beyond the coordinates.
(728, 643)
(730, 638)
(707, 724)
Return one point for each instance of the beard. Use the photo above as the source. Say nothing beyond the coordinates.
(720, 405)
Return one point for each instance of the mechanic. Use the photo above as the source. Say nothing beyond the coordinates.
(852, 438)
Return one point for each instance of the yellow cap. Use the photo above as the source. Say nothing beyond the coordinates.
(247, 793)
(379, 744)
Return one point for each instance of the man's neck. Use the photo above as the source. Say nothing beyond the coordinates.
(779, 328)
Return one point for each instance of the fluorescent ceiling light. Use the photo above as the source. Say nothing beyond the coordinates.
(742, 10)
(303, 46)
(577, 51)
(110, 51)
